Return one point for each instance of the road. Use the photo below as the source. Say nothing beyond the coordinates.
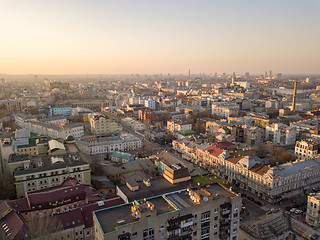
(252, 210)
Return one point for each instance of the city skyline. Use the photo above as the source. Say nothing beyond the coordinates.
(123, 37)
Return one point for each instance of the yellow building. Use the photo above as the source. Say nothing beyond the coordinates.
(101, 125)
(176, 173)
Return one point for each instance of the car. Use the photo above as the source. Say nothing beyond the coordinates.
(250, 198)
(293, 210)
(243, 194)
(258, 203)
(298, 211)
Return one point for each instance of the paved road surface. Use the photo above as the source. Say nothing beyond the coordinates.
(253, 209)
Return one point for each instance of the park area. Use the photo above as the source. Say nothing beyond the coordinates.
(207, 179)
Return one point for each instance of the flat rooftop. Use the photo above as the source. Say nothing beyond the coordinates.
(158, 186)
(163, 204)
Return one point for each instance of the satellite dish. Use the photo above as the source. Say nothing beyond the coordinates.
(205, 199)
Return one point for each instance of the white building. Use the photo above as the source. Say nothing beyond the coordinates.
(224, 111)
(177, 125)
(281, 134)
(124, 142)
(150, 103)
(75, 129)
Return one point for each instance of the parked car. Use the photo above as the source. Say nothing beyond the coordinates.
(250, 198)
(258, 203)
(298, 211)
(293, 210)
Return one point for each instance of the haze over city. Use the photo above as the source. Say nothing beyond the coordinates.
(124, 37)
(159, 120)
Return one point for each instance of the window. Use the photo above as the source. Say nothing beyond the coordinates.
(235, 215)
(205, 215)
(134, 235)
(148, 234)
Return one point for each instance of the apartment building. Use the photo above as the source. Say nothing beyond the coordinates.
(313, 210)
(253, 135)
(60, 110)
(281, 134)
(133, 124)
(224, 110)
(306, 149)
(41, 172)
(194, 213)
(101, 125)
(177, 125)
(13, 105)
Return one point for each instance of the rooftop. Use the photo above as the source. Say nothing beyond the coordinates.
(47, 163)
(157, 205)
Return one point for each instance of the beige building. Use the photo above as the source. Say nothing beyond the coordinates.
(206, 213)
(313, 208)
(306, 149)
(272, 184)
(253, 135)
(101, 125)
(177, 125)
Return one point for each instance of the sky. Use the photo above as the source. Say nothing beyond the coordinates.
(152, 36)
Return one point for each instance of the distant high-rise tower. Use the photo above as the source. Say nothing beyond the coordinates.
(270, 75)
(294, 96)
(189, 74)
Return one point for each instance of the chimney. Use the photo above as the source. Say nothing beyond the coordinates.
(294, 96)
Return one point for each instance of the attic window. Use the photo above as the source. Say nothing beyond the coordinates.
(65, 190)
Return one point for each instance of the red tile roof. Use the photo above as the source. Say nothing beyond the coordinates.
(214, 151)
(225, 144)
(68, 192)
(70, 219)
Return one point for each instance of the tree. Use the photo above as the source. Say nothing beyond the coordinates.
(96, 167)
(280, 155)
(41, 228)
(7, 188)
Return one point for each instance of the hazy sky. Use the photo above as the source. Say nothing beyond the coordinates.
(159, 36)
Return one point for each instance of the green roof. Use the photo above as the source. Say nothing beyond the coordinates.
(32, 143)
(121, 155)
(187, 132)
